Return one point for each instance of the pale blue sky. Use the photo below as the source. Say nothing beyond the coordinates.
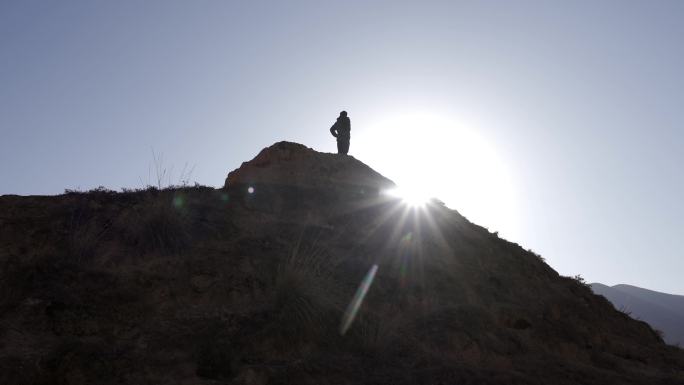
(582, 101)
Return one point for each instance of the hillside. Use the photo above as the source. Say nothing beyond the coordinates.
(248, 284)
(665, 312)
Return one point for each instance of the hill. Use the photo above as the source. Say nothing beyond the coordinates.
(665, 312)
(252, 284)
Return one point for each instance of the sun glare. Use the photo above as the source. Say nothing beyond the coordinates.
(414, 197)
(430, 156)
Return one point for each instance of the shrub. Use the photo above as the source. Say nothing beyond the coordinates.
(624, 311)
(579, 279)
(85, 233)
(536, 255)
(376, 332)
(158, 225)
(307, 299)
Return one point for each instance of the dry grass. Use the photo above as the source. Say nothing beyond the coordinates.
(85, 235)
(156, 224)
(307, 299)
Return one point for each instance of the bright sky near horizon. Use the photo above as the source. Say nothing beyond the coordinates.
(557, 123)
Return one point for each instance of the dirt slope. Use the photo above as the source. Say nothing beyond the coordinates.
(248, 285)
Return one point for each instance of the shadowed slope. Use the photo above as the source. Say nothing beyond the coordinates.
(249, 286)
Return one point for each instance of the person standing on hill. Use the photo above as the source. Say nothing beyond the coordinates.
(342, 131)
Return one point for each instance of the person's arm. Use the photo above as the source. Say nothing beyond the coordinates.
(333, 130)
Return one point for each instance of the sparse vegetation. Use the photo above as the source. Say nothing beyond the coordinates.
(377, 332)
(579, 279)
(193, 285)
(163, 174)
(307, 298)
(85, 233)
(536, 255)
(157, 224)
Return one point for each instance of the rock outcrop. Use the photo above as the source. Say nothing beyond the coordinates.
(293, 164)
(250, 286)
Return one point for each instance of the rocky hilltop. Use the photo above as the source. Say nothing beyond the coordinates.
(295, 165)
(249, 284)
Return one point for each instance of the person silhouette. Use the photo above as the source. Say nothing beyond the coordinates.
(342, 131)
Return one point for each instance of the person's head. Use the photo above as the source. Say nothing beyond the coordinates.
(343, 113)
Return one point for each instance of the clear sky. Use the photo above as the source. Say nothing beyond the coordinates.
(557, 123)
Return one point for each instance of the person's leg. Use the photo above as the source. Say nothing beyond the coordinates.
(343, 146)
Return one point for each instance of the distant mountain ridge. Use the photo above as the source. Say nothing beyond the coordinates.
(664, 312)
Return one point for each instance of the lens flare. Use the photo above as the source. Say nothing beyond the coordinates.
(356, 302)
(178, 201)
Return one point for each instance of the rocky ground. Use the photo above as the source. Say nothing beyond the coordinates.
(249, 284)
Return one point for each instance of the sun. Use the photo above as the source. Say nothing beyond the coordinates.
(431, 156)
(413, 196)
